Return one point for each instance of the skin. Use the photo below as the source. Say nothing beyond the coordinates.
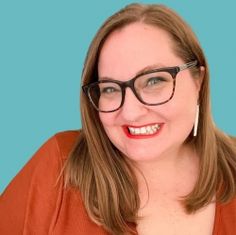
(123, 55)
(169, 166)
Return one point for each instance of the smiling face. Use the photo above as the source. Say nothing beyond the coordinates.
(141, 132)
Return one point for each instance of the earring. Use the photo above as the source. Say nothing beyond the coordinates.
(195, 127)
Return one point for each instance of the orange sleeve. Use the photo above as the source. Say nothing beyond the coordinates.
(30, 203)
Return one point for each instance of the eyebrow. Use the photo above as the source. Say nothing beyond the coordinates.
(143, 70)
(150, 67)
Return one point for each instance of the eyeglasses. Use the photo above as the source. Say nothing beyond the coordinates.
(153, 87)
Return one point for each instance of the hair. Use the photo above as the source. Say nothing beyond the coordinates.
(103, 174)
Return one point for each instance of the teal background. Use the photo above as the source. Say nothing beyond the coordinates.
(42, 49)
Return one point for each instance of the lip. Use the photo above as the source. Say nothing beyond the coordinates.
(142, 136)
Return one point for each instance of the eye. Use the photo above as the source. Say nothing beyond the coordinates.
(155, 81)
(109, 90)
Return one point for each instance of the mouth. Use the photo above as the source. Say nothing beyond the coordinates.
(146, 131)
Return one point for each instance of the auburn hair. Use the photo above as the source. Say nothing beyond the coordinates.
(104, 176)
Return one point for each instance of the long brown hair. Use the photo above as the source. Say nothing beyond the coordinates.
(100, 171)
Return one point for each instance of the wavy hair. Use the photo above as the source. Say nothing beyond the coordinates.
(103, 174)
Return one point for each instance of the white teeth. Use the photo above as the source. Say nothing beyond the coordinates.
(147, 130)
(143, 130)
(131, 129)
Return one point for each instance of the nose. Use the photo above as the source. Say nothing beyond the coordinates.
(132, 108)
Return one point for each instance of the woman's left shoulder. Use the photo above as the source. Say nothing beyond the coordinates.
(227, 217)
(230, 205)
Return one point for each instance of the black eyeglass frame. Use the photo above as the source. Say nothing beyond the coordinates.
(173, 71)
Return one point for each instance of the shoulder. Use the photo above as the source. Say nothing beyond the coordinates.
(228, 209)
(35, 193)
(47, 162)
(54, 151)
(66, 141)
(227, 217)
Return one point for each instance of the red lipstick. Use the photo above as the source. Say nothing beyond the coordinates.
(156, 131)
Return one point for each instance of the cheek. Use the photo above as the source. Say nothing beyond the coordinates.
(109, 123)
(179, 113)
(112, 129)
(181, 110)
(107, 119)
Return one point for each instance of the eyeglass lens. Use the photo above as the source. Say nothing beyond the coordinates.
(151, 88)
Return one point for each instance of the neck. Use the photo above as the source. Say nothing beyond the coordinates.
(172, 174)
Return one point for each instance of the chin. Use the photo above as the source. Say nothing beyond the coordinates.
(141, 155)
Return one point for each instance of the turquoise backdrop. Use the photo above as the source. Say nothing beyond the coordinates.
(42, 49)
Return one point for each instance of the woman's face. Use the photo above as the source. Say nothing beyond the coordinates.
(125, 53)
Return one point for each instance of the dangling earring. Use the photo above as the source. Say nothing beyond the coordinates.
(195, 127)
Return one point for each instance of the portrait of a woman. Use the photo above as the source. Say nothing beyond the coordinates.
(149, 158)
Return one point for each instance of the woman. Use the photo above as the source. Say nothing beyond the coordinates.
(149, 159)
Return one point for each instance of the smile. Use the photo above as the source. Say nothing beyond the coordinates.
(145, 130)
(140, 132)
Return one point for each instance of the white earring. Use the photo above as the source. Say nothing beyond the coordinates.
(195, 127)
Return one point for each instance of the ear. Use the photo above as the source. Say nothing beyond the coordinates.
(199, 78)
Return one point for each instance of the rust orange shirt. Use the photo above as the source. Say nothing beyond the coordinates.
(33, 203)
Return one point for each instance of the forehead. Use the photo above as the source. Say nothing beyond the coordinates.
(134, 47)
